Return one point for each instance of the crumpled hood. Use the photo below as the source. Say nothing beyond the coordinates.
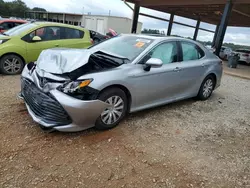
(62, 60)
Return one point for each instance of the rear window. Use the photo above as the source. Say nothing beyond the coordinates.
(70, 33)
(243, 51)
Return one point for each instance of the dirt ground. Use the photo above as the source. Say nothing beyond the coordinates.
(185, 144)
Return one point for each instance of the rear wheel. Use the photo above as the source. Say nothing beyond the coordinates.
(112, 115)
(11, 64)
(206, 88)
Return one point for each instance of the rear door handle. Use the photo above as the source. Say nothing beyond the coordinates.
(56, 45)
(177, 69)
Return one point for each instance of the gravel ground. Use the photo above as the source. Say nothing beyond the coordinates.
(185, 144)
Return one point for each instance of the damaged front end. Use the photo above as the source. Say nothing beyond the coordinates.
(55, 96)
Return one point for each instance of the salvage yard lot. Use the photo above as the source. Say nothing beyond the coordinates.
(185, 144)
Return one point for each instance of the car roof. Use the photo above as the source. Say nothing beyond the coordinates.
(159, 38)
(54, 24)
(12, 20)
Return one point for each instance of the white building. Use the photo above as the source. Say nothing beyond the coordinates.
(97, 23)
(101, 24)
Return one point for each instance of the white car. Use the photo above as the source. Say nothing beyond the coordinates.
(225, 52)
(244, 55)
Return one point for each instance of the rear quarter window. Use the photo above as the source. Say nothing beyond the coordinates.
(70, 33)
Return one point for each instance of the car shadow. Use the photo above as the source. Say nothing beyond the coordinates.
(140, 114)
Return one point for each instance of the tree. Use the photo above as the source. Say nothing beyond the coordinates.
(15, 8)
(39, 9)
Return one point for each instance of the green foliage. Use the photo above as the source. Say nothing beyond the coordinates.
(16, 8)
(39, 9)
(153, 31)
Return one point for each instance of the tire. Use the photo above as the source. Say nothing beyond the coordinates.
(112, 116)
(208, 84)
(11, 64)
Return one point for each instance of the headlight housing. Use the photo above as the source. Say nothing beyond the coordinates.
(74, 86)
(3, 41)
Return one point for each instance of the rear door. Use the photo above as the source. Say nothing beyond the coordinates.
(192, 68)
(75, 38)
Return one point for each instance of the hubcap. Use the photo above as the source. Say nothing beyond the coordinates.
(12, 65)
(113, 113)
(207, 88)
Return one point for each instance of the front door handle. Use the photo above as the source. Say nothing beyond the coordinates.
(56, 45)
(177, 69)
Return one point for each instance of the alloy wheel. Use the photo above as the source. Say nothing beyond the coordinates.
(12, 65)
(208, 88)
(113, 113)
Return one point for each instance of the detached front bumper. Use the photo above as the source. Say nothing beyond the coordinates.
(58, 111)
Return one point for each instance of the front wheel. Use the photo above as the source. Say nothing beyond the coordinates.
(11, 64)
(112, 115)
(206, 88)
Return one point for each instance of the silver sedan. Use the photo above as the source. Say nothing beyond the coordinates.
(72, 90)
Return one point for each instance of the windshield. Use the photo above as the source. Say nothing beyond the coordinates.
(125, 46)
(19, 29)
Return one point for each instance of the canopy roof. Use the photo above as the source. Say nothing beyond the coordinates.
(209, 11)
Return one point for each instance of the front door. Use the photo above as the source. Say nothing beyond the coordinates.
(50, 38)
(159, 85)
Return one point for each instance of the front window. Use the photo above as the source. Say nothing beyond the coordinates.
(20, 29)
(126, 46)
(167, 52)
(46, 33)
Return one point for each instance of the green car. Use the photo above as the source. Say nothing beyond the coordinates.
(24, 43)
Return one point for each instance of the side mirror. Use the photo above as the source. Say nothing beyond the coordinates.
(153, 63)
(36, 39)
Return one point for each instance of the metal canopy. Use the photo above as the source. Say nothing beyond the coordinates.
(209, 11)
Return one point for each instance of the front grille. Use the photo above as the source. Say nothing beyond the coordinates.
(43, 105)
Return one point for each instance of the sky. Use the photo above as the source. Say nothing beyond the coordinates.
(118, 8)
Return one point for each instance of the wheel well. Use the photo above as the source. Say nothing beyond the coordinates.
(123, 88)
(13, 53)
(214, 77)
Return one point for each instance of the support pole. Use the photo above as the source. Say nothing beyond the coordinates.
(196, 29)
(170, 24)
(215, 35)
(223, 26)
(135, 18)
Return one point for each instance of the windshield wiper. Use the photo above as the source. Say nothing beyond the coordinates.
(5, 34)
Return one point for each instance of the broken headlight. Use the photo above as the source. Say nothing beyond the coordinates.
(79, 90)
(74, 86)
